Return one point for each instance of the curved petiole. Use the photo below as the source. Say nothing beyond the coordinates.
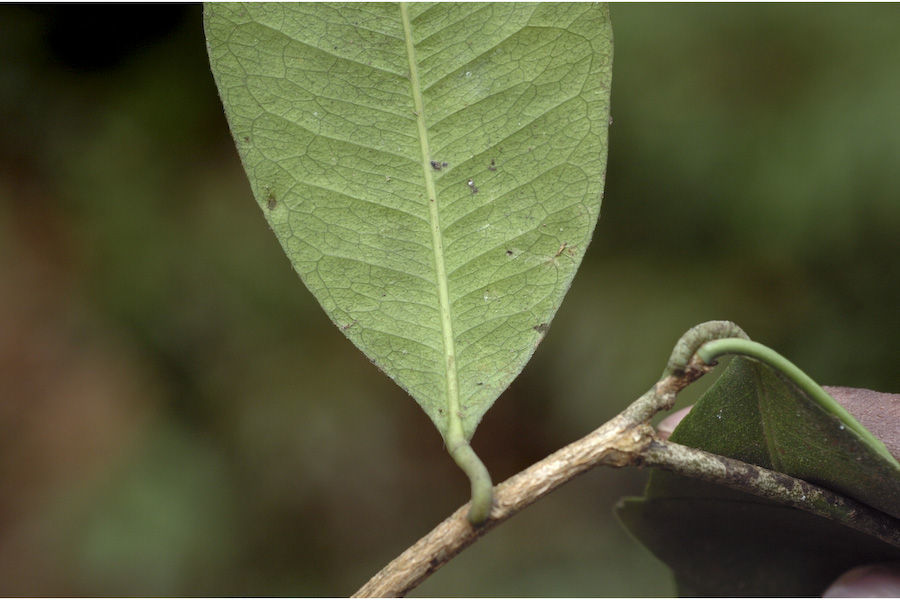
(482, 488)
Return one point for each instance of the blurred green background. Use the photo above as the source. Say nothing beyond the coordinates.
(178, 416)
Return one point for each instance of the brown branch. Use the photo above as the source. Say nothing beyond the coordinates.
(617, 443)
(627, 440)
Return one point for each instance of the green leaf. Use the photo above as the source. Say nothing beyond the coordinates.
(722, 542)
(432, 171)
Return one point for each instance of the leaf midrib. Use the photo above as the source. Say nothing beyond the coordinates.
(454, 433)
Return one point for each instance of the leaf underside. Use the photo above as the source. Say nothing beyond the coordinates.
(432, 171)
(721, 542)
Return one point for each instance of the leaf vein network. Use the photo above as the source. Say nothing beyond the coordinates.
(329, 52)
(528, 182)
(498, 248)
(476, 58)
(445, 26)
(548, 112)
(379, 106)
(335, 139)
(519, 274)
(488, 334)
(402, 337)
(472, 59)
(334, 254)
(361, 199)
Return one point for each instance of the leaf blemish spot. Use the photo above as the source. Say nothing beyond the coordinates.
(509, 252)
(436, 165)
(493, 166)
(564, 248)
(541, 328)
(471, 184)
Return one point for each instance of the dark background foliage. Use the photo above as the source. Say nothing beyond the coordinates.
(178, 417)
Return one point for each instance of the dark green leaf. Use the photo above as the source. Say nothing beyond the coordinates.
(722, 542)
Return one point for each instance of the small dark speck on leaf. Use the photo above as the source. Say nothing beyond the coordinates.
(541, 328)
(493, 166)
(480, 383)
(509, 252)
(436, 165)
(247, 138)
(271, 202)
(471, 184)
